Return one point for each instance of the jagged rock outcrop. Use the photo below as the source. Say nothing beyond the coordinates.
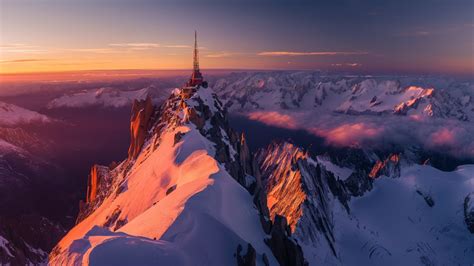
(413, 103)
(283, 182)
(249, 258)
(96, 177)
(98, 183)
(469, 211)
(427, 197)
(139, 124)
(388, 167)
(302, 191)
(284, 247)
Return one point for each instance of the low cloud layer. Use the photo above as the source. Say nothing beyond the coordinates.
(443, 135)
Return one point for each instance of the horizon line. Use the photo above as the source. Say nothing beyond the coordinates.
(345, 70)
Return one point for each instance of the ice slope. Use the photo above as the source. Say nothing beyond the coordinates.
(11, 115)
(106, 97)
(174, 205)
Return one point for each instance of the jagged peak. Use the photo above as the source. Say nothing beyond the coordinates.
(142, 111)
(282, 176)
(390, 166)
(282, 150)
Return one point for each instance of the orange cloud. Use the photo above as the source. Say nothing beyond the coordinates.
(219, 55)
(145, 45)
(443, 137)
(290, 53)
(177, 46)
(349, 134)
(274, 119)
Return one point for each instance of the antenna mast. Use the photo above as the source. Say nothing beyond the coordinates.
(195, 55)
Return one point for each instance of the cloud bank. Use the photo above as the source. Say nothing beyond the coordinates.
(442, 135)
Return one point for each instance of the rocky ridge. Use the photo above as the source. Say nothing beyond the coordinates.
(204, 112)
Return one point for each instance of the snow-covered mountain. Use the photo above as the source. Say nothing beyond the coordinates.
(188, 194)
(11, 115)
(410, 214)
(106, 97)
(347, 94)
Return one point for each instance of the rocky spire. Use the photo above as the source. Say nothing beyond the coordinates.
(141, 114)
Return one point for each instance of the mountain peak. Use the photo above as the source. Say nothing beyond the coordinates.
(190, 177)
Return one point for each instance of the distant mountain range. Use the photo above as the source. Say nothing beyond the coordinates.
(11, 115)
(370, 95)
(432, 113)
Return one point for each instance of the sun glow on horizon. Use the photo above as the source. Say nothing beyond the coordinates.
(145, 34)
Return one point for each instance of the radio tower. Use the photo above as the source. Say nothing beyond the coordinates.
(195, 55)
(196, 77)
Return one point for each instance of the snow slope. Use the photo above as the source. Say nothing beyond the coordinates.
(106, 97)
(393, 224)
(11, 115)
(174, 205)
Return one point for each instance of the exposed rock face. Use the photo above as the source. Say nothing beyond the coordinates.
(286, 249)
(139, 124)
(389, 167)
(469, 212)
(249, 259)
(303, 192)
(427, 197)
(283, 183)
(98, 182)
(97, 175)
(245, 157)
(404, 107)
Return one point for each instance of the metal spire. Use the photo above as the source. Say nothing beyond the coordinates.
(196, 55)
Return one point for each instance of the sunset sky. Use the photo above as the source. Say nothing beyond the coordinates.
(422, 36)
